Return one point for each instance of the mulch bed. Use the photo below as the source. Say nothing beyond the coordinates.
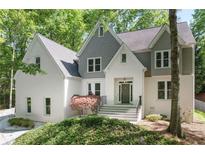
(200, 97)
(194, 132)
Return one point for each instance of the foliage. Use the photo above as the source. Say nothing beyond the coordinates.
(199, 115)
(85, 104)
(92, 130)
(198, 29)
(153, 117)
(21, 122)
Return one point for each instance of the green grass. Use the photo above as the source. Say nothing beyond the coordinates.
(199, 115)
(21, 122)
(92, 130)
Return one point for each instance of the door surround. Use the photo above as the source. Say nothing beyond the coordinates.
(129, 98)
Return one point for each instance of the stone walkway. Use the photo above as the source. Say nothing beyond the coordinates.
(9, 133)
(195, 132)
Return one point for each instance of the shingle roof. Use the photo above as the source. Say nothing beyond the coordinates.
(63, 57)
(140, 40)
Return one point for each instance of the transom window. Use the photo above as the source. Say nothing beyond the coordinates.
(97, 89)
(162, 59)
(48, 106)
(29, 104)
(164, 90)
(100, 31)
(94, 64)
(38, 62)
(124, 58)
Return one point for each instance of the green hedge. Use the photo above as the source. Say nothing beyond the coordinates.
(21, 122)
(92, 130)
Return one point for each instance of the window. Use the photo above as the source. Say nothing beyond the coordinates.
(124, 58)
(162, 59)
(89, 89)
(100, 31)
(97, 64)
(97, 89)
(38, 62)
(169, 90)
(29, 104)
(94, 64)
(164, 90)
(48, 106)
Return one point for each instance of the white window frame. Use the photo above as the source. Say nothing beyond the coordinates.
(165, 89)
(88, 88)
(125, 58)
(162, 59)
(27, 106)
(94, 58)
(98, 90)
(48, 115)
(99, 31)
(39, 61)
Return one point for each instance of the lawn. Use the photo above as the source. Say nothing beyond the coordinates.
(92, 130)
(200, 115)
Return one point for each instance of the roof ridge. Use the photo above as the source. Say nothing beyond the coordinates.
(74, 52)
(148, 28)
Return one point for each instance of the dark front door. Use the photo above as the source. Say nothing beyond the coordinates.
(125, 93)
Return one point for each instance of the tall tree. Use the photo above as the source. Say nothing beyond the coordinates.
(175, 122)
(16, 28)
(198, 29)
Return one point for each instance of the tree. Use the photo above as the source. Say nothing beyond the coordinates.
(175, 121)
(16, 28)
(198, 29)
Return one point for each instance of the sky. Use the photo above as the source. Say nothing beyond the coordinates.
(185, 15)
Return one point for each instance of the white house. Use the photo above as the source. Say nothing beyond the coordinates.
(130, 71)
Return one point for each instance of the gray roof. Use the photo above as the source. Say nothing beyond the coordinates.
(141, 39)
(63, 57)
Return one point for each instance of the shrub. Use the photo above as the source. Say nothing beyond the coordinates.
(92, 129)
(153, 117)
(85, 104)
(21, 122)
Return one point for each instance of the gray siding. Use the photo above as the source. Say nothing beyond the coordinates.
(162, 44)
(187, 61)
(104, 47)
(145, 59)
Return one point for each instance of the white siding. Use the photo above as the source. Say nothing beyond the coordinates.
(72, 87)
(186, 96)
(39, 87)
(131, 69)
(93, 81)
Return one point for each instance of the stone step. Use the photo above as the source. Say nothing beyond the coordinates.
(126, 119)
(119, 106)
(119, 115)
(117, 110)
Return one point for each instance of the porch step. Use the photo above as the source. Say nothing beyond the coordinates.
(120, 112)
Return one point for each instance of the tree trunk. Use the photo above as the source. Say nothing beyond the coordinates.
(175, 120)
(11, 81)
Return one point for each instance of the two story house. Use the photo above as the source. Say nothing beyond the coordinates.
(131, 72)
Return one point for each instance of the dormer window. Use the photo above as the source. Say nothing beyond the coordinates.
(100, 31)
(38, 62)
(124, 58)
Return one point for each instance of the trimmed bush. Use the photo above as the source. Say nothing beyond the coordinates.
(85, 104)
(21, 122)
(92, 130)
(153, 117)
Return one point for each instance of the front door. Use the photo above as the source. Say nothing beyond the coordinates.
(125, 93)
